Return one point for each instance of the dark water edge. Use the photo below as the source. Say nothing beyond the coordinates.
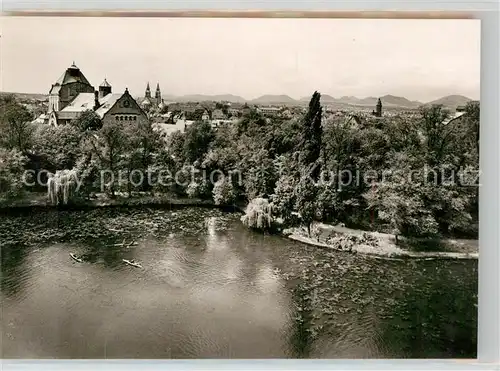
(210, 288)
(39, 202)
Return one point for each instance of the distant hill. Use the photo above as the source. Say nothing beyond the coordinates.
(348, 102)
(273, 99)
(392, 100)
(216, 98)
(451, 101)
(325, 98)
(26, 95)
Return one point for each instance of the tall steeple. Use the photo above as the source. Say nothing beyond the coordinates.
(158, 93)
(148, 92)
(379, 108)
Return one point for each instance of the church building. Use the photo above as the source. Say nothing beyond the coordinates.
(149, 102)
(72, 94)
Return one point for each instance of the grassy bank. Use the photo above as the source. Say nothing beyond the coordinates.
(382, 244)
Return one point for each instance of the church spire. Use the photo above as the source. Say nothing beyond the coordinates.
(148, 91)
(158, 94)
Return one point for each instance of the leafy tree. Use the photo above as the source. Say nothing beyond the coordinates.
(284, 199)
(305, 202)
(311, 133)
(175, 145)
(112, 144)
(144, 144)
(400, 202)
(197, 139)
(436, 132)
(224, 192)
(59, 146)
(472, 112)
(258, 214)
(326, 202)
(340, 145)
(199, 188)
(88, 120)
(280, 136)
(11, 173)
(251, 123)
(15, 125)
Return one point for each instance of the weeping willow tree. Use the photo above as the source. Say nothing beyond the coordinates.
(258, 214)
(61, 186)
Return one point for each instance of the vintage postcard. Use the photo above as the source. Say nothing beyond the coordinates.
(239, 187)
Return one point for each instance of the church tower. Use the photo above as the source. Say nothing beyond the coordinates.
(104, 89)
(379, 108)
(158, 94)
(148, 92)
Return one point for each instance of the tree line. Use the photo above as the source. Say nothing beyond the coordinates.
(293, 171)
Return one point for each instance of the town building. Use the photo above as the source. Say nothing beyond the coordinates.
(72, 94)
(269, 110)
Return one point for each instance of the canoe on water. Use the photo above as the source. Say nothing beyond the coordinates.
(133, 264)
(76, 258)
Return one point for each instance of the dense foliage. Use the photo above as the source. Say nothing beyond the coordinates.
(405, 174)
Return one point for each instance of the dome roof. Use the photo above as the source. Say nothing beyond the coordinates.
(146, 102)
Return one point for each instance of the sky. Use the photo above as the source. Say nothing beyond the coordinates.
(418, 59)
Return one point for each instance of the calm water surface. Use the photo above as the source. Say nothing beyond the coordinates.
(210, 288)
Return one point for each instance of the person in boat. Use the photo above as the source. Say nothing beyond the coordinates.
(132, 261)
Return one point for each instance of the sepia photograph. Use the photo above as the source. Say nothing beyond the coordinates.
(239, 188)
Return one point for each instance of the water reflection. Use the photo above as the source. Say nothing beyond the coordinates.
(13, 274)
(433, 312)
(209, 288)
(301, 340)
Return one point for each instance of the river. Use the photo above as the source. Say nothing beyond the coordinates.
(210, 288)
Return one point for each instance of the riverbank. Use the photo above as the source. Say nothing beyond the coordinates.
(337, 237)
(40, 200)
(382, 245)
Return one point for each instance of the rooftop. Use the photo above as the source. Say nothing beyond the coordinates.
(72, 74)
(86, 101)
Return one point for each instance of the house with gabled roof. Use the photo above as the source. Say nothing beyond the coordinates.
(72, 94)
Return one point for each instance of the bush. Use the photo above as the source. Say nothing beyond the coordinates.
(223, 192)
(258, 214)
(198, 189)
(61, 187)
(11, 173)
